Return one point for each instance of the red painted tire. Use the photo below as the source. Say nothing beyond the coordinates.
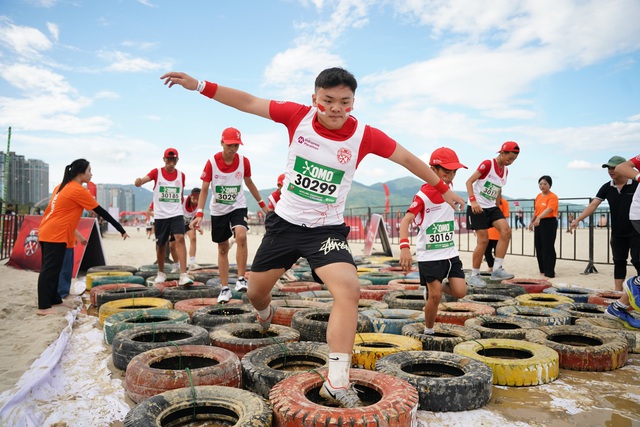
(374, 292)
(605, 298)
(394, 402)
(113, 286)
(582, 348)
(163, 369)
(285, 309)
(610, 325)
(405, 284)
(299, 286)
(241, 338)
(458, 312)
(532, 286)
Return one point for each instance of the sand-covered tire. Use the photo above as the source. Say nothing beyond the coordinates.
(499, 289)
(114, 286)
(583, 309)
(113, 307)
(392, 320)
(542, 300)
(394, 401)
(513, 362)
(312, 324)
(319, 296)
(180, 293)
(543, 316)
(444, 381)
(91, 276)
(445, 336)
(162, 369)
(605, 297)
(492, 300)
(369, 347)
(138, 318)
(266, 366)
(405, 284)
(381, 277)
(577, 294)
(610, 325)
(582, 348)
(458, 312)
(219, 405)
(370, 304)
(102, 268)
(504, 327)
(124, 293)
(299, 286)
(241, 338)
(531, 286)
(285, 309)
(212, 316)
(107, 280)
(129, 343)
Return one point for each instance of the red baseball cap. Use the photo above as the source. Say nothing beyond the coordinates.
(447, 158)
(510, 146)
(281, 179)
(231, 136)
(170, 152)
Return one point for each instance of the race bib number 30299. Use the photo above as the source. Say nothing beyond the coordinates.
(315, 182)
(227, 194)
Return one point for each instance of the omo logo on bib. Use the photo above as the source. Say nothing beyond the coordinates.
(314, 181)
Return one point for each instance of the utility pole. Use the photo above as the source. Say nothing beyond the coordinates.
(6, 167)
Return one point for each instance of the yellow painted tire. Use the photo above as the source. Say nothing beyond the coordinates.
(370, 346)
(112, 307)
(543, 300)
(363, 270)
(91, 276)
(529, 363)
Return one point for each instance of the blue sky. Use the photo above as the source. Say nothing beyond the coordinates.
(81, 79)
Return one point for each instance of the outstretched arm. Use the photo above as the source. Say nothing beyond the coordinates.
(235, 98)
(628, 170)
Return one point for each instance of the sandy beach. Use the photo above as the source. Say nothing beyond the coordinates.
(75, 384)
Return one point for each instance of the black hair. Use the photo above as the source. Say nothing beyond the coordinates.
(546, 178)
(336, 76)
(195, 190)
(71, 171)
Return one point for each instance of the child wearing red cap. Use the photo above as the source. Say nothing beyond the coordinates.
(275, 196)
(326, 145)
(168, 193)
(435, 247)
(484, 186)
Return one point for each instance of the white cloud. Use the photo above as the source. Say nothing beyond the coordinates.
(582, 164)
(25, 41)
(124, 62)
(35, 80)
(54, 30)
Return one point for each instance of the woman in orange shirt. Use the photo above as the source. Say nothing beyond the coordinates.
(57, 229)
(545, 226)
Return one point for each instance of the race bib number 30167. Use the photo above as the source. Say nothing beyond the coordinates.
(169, 194)
(440, 235)
(314, 181)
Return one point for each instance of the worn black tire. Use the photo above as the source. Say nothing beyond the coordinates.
(212, 316)
(508, 290)
(131, 319)
(107, 280)
(610, 325)
(131, 342)
(582, 348)
(179, 293)
(408, 300)
(577, 294)
(506, 327)
(222, 405)
(391, 321)
(444, 381)
(264, 367)
(312, 324)
(394, 402)
(543, 316)
(492, 300)
(380, 277)
(124, 293)
(445, 338)
(97, 268)
(583, 309)
(204, 275)
(241, 338)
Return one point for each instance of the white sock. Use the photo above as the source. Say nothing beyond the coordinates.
(264, 314)
(620, 306)
(497, 264)
(177, 264)
(429, 331)
(339, 364)
(192, 260)
(240, 278)
(475, 271)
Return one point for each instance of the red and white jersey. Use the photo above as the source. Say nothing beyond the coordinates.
(488, 186)
(634, 211)
(274, 198)
(436, 219)
(318, 176)
(227, 189)
(188, 211)
(167, 196)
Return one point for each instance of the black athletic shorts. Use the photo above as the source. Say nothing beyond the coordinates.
(284, 243)
(164, 228)
(440, 270)
(222, 226)
(484, 219)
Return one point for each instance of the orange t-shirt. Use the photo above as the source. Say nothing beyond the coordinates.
(62, 215)
(494, 234)
(543, 202)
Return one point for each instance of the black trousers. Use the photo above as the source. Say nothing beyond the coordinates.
(545, 239)
(621, 246)
(52, 260)
(489, 253)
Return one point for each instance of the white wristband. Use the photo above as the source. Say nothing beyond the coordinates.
(200, 87)
(199, 211)
(637, 178)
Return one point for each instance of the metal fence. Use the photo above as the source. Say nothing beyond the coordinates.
(9, 226)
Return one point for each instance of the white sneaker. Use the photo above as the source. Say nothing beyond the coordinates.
(194, 266)
(175, 269)
(185, 279)
(241, 285)
(477, 281)
(345, 397)
(160, 277)
(225, 295)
